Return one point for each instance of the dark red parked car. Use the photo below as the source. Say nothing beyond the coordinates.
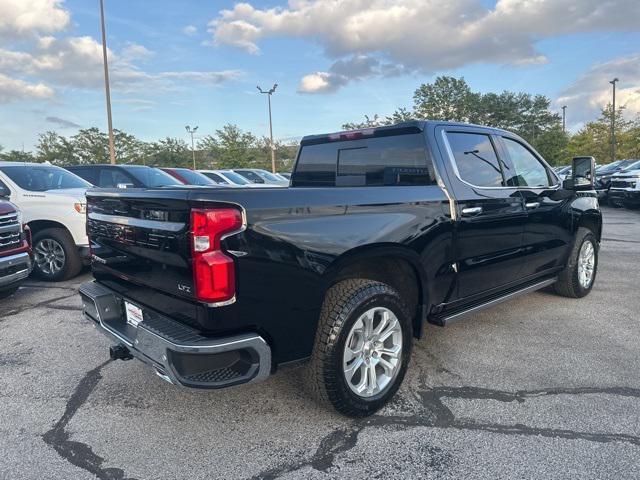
(15, 249)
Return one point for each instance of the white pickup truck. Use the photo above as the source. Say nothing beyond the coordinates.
(52, 201)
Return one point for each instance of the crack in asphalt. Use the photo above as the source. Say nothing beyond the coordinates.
(436, 414)
(23, 308)
(77, 453)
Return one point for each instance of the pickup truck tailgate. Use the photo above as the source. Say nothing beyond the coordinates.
(142, 237)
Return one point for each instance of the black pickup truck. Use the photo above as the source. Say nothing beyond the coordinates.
(380, 231)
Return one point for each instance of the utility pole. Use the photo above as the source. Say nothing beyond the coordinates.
(191, 131)
(613, 121)
(564, 119)
(273, 148)
(112, 150)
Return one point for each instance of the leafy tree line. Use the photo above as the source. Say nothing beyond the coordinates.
(225, 148)
(447, 98)
(530, 116)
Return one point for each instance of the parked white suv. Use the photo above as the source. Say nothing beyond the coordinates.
(52, 201)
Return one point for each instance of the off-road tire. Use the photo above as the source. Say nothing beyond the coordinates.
(568, 284)
(343, 304)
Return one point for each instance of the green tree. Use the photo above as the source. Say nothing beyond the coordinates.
(90, 146)
(129, 149)
(235, 147)
(168, 152)
(447, 98)
(55, 148)
(17, 156)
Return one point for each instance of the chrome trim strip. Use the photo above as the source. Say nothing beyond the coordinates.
(449, 319)
(15, 259)
(137, 222)
(14, 277)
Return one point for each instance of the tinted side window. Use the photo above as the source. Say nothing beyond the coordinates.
(529, 171)
(110, 178)
(214, 177)
(89, 174)
(392, 160)
(476, 159)
(317, 165)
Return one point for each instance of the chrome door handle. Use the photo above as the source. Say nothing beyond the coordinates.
(532, 205)
(471, 210)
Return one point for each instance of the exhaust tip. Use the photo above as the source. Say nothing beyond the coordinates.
(119, 352)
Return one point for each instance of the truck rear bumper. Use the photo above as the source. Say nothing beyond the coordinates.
(178, 353)
(14, 269)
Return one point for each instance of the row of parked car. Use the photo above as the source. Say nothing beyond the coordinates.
(617, 183)
(42, 210)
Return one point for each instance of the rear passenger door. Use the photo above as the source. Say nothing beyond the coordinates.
(490, 214)
(547, 234)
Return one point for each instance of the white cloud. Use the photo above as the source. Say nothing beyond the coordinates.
(132, 52)
(422, 35)
(25, 18)
(36, 59)
(592, 91)
(190, 30)
(12, 89)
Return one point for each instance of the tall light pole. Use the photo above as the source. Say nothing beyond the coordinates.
(564, 119)
(112, 150)
(191, 131)
(273, 148)
(613, 121)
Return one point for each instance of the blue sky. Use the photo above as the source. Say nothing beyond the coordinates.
(334, 61)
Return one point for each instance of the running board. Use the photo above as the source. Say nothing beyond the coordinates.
(448, 319)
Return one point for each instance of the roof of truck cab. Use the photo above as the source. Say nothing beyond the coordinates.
(410, 126)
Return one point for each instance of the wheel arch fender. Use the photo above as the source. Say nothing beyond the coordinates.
(377, 262)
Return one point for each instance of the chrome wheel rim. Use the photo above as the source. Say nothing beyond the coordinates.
(373, 352)
(586, 264)
(49, 256)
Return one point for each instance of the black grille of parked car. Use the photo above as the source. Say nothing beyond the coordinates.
(623, 184)
(10, 236)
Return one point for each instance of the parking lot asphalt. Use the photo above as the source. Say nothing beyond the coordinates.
(538, 387)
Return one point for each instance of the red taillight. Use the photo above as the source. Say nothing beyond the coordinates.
(213, 271)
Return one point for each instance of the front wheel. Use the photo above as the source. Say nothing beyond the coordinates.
(56, 256)
(576, 280)
(362, 347)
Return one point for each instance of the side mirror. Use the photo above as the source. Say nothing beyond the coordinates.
(582, 174)
(4, 191)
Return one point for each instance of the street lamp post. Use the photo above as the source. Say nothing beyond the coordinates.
(613, 121)
(273, 148)
(112, 151)
(191, 131)
(564, 119)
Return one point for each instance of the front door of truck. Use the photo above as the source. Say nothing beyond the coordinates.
(490, 214)
(547, 234)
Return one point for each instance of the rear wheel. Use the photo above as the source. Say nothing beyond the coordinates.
(576, 280)
(55, 255)
(362, 347)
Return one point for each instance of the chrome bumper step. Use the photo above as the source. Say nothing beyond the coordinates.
(178, 353)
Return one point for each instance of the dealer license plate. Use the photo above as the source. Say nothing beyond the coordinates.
(134, 314)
